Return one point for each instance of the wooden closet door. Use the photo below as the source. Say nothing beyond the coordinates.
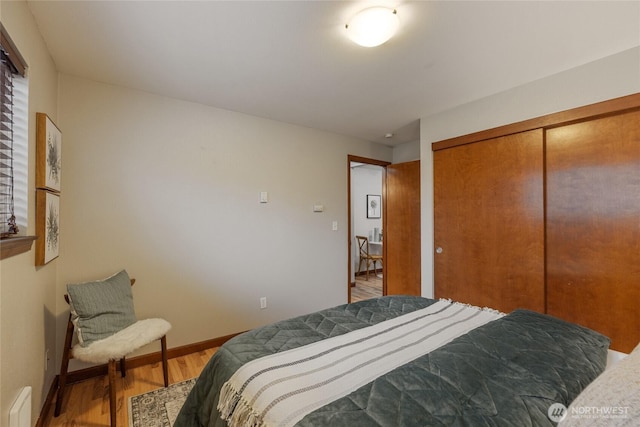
(593, 226)
(489, 222)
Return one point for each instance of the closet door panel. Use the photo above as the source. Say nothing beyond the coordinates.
(593, 226)
(489, 222)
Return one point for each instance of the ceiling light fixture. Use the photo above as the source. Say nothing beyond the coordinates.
(373, 26)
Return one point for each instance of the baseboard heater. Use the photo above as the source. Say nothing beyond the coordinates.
(20, 412)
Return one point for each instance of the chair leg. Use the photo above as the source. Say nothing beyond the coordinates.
(165, 368)
(64, 367)
(113, 402)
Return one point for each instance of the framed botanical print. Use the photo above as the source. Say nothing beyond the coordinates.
(374, 205)
(48, 153)
(47, 226)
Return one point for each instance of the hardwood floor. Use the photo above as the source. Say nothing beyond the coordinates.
(87, 403)
(365, 289)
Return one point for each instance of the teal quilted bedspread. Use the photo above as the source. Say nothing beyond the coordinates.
(505, 373)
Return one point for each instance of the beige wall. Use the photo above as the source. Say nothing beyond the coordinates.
(28, 294)
(407, 152)
(170, 191)
(607, 78)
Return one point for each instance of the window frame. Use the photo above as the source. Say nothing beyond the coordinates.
(14, 245)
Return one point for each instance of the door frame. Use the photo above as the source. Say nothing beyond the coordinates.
(383, 164)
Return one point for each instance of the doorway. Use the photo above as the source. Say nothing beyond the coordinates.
(367, 194)
(396, 233)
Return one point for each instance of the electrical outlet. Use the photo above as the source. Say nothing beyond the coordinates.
(263, 303)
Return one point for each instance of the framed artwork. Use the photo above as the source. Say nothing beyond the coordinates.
(48, 153)
(374, 205)
(47, 226)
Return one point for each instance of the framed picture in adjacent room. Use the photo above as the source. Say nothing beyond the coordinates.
(47, 226)
(374, 205)
(48, 153)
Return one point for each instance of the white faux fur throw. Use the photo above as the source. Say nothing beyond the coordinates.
(124, 342)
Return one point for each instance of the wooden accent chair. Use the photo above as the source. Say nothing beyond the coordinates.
(111, 349)
(366, 256)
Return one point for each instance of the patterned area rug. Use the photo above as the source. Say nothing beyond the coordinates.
(158, 408)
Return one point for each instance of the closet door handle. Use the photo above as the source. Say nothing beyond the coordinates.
(439, 250)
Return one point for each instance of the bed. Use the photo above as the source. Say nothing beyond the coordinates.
(506, 371)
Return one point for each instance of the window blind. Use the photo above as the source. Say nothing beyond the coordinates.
(8, 224)
(12, 66)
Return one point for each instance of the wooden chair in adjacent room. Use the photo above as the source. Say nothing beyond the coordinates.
(366, 256)
(110, 339)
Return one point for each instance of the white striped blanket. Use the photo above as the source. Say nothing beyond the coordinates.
(280, 389)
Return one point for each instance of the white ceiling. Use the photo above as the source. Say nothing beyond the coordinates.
(291, 61)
